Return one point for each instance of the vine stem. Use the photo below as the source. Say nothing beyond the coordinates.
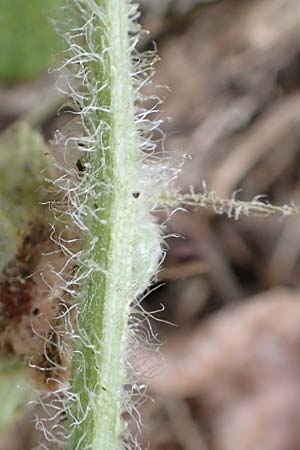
(121, 244)
(232, 207)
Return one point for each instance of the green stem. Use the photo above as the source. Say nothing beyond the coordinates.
(120, 232)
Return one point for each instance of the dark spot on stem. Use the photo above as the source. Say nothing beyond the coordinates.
(80, 166)
(136, 194)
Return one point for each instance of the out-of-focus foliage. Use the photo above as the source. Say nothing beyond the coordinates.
(162, 7)
(27, 38)
(22, 170)
(14, 391)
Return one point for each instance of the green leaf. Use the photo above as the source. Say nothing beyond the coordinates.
(23, 167)
(27, 38)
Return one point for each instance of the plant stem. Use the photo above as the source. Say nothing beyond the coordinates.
(232, 207)
(115, 239)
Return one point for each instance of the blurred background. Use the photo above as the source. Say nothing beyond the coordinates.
(227, 376)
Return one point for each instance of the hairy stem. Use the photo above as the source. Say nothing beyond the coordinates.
(118, 229)
(232, 207)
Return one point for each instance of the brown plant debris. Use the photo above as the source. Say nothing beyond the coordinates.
(31, 308)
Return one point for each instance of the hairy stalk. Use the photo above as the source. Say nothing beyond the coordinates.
(110, 201)
(232, 207)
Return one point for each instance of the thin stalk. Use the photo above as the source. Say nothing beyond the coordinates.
(232, 207)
